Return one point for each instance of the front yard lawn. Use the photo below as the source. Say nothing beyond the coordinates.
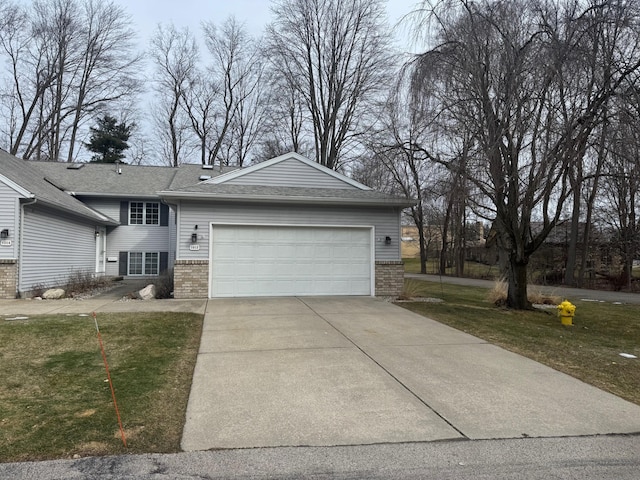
(589, 350)
(55, 401)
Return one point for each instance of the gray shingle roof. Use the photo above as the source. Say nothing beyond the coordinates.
(32, 179)
(186, 181)
(288, 194)
(89, 179)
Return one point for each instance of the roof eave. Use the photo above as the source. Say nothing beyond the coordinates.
(92, 215)
(111, 195)
(393, 202)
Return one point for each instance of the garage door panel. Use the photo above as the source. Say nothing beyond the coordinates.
(282, 261)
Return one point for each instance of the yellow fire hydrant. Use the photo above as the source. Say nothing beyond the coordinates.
(566, 311)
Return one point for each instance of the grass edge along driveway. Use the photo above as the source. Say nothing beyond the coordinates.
(55, 401)
(589, 350)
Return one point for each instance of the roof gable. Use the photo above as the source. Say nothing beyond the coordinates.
(289, 170)
(15, 187)
(31, 181)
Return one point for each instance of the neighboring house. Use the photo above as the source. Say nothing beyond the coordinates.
(287, 226)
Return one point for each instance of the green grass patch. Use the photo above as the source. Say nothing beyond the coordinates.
(589, 350)
(54, 398)
(471, 269)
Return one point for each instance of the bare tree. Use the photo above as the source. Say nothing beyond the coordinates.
(67, 59)
(238, 70)
(506, 75)
(284, 127)
(334, 55)
(175, 54)
(105, 71)
(403, 142)
(31, 75)
(620, 197)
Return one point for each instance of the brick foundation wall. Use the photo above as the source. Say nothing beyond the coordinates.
(8, 278)
(389, 278)
(191, 279)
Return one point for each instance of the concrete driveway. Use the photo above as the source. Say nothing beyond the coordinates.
(358, 370)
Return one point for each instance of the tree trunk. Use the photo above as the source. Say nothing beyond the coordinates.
(572, 249)
(517, 292)
(445, 233)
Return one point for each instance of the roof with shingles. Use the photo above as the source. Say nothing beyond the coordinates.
(287, 194)
(109, 179)
(45, 191)
(186, 181)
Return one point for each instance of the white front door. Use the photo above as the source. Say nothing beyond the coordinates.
(249, 260)
(101, 249)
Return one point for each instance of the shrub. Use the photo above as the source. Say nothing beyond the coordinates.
(412, 288)
(164, 284)
(79, 282)
(38, 289)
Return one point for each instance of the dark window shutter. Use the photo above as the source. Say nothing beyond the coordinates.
(164, 261)
(124, 213)
(123, 268)
(164, 215)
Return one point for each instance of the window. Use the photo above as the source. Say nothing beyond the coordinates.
(144, 213)
(143, 263)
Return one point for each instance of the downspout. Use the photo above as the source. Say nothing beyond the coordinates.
(21, 245)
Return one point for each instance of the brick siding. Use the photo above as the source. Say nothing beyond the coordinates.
(389, 278)
(8, 278)
(191, 279)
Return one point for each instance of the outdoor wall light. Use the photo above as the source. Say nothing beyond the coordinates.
(97, 233)
(387, 240)
(194, 238)
(4, 233)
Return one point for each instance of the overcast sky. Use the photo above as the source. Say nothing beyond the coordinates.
(146, 14)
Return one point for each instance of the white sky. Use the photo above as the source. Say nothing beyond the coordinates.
(146, 14)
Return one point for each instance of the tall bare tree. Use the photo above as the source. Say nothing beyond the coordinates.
(68, 59)
(403, 142)
(237, 68)
(175, 54)
(620, 198)
(507, 72)
(105, 71)
(334, 55)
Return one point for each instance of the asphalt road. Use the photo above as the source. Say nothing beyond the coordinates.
(566, 292)
(583, 458)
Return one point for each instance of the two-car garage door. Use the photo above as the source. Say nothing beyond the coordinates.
(248, 260)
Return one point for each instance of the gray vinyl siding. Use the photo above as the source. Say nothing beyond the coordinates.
(54, 246)
(133, 238)
(386, 222)
(290, 173)
(9, 217)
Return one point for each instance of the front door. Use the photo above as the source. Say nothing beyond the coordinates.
(101, 250)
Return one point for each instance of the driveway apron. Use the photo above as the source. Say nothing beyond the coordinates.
(358, 370)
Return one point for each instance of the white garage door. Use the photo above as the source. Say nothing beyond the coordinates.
(290, 261)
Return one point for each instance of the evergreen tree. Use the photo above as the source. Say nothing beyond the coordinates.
(108, 140)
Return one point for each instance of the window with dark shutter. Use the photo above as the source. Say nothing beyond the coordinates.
(164, 216)
(164, 261)
(123, 266)
(124, 213)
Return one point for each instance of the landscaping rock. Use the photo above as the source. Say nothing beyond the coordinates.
(53, 294)
(148, 292)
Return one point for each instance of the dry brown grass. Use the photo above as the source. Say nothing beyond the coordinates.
(498, 295)
(412, 288)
